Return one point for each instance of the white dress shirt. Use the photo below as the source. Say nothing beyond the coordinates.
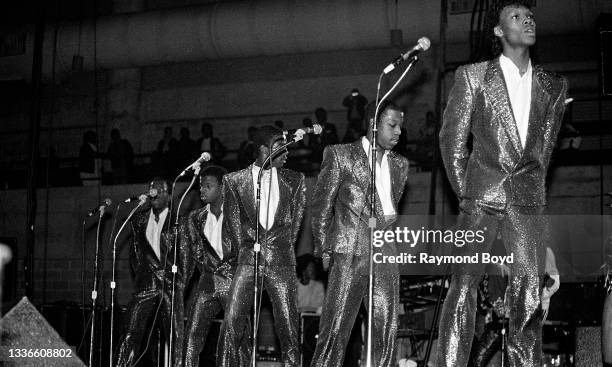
(519, 91)
(154, 230)
(383, 179)
(273, 195)
(212, 231)
(310, 296)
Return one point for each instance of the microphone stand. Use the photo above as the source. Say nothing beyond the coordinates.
(196, 172)
(112, 283)
(257, 246)
(94, 291)
(372, 221)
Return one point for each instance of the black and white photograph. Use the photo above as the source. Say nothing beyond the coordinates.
(306, 183)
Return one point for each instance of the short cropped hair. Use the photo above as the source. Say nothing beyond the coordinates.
(214, 171)
(162, 180)
(492, 20)
(265, 135)
(371, 110)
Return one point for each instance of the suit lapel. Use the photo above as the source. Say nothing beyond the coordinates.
(284, 196)
(163, 245)
(394, 171)
(497, 91)
(361, 167)
(165, 236)
(540, 98)
(207, 242)
(247, 194)
(361, 170)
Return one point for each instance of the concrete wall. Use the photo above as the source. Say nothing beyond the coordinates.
(238, 93)
(234, 95)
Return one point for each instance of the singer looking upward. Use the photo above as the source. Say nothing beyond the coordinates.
(340, 215)
(283, 197)
(151, 262)
(512, 110)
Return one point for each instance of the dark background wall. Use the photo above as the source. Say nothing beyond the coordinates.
(298, 64)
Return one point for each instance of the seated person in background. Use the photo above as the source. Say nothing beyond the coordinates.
(209, 143)
(311, 291)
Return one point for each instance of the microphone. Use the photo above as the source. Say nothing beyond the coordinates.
(143, 197)
(107, 202)
(205, 157)
(423, 44)
(298, 134)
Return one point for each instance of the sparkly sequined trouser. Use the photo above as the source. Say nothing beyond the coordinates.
(142, 310)
(201, 313)
(524, 234)
(281, 285)
(348, 287)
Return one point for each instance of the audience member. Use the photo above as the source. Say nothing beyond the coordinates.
(90, 166)
(186, 150)
(208, 143)
(121, 156)
(311, 291)
(48, 169)
(425, 147)
(569, 137)
(355, 104)
(165, 156)
(247, 152)
(351, 135)
(329, 135)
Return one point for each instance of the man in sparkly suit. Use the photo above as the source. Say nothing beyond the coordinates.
(151, 259)
(513, 111)
(200, 236)
(341, 211)
(283, 197)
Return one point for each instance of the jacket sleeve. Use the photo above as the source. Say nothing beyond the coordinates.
(133, 249)
(231, 231)
(455, 131)
(298, 202)
(186, 246)
(324, 198)
(554, 120)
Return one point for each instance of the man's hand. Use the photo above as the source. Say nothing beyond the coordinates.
(548, 292)
(326, 260)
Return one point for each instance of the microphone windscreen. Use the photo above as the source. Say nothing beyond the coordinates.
(317, 129)
(424, 43)
(108, 202)
(205, 157)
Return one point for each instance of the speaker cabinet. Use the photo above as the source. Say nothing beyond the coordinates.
(25, 330)
(588, 346)
(72, 322)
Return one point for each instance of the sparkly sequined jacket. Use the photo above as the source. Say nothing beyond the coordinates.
(200, 252)
(498, 172)
(147, 269)
(341, 199)
(240, 219)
